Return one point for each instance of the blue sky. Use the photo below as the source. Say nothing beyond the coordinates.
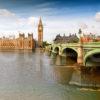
(59, 16)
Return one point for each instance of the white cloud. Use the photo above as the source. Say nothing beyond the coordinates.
(21, 21)
(11, 23)
(8, 19)
(6, 13)
(83, 25)
(33, 21)
(97, 17)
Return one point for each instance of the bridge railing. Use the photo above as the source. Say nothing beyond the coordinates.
(92, 43)
(89, 43)
(65, 44)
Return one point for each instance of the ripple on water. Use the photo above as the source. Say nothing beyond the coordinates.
(30, 76)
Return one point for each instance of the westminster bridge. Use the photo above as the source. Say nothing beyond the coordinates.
(85, 54)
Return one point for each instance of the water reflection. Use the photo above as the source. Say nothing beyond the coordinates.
(63, 75)
(32, 76)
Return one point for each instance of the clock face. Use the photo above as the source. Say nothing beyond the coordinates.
(40, 28)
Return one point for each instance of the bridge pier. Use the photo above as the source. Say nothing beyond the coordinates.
(58, 60)
(49, 53)
(80, 54)
(63, 60)
(53, 57)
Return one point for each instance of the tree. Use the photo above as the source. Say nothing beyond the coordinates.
(45, 43)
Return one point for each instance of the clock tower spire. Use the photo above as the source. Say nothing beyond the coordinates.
(40, 33)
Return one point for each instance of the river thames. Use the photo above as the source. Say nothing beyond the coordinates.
(32, 76)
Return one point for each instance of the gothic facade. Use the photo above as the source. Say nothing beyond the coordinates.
(20, 43)
(66, 39)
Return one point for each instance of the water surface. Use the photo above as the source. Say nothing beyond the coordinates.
(31, 76)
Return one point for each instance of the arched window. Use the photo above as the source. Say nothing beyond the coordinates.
(29, 43)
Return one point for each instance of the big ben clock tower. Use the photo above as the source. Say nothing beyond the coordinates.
(40, 33)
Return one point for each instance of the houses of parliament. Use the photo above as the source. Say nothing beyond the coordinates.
(22, 42)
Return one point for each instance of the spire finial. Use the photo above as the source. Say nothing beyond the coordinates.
(40, 21)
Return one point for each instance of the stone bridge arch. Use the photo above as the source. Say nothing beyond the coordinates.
(92, 58)
(68, 48)
(70, 54)
(56, 49)
(51, 47)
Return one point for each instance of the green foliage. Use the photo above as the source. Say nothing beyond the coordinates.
(45, 43)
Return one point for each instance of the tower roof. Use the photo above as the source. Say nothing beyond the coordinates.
(40, 21)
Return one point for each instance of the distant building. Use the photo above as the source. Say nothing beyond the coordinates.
(97, 39)
(66, 39)
(20, 43)
(90, 38)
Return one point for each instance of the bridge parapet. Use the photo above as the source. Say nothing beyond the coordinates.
(86, 48)
(92, 43)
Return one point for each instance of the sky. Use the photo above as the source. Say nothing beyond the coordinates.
(58, 17)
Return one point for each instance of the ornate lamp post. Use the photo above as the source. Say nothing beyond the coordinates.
(80, 36)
